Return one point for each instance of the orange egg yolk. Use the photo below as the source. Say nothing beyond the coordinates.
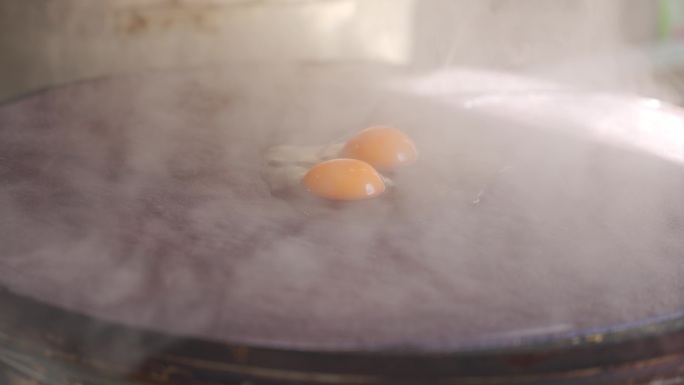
(382, 147)
(344, 179)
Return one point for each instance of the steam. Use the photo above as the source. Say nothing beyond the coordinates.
(140, 200)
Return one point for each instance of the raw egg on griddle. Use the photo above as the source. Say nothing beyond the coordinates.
(382, 147)
(343, 179)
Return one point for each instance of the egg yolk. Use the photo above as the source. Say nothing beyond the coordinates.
(382, 147)
(343, 179)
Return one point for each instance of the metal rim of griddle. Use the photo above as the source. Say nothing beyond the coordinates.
(49, 334)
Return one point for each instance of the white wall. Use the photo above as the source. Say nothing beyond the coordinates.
(54, 42)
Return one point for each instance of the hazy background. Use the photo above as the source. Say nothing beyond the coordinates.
(54, 42)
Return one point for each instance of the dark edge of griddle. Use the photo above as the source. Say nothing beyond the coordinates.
(45, 332)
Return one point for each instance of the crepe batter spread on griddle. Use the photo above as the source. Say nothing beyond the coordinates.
(140, 200)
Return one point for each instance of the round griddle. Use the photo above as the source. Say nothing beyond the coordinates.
(539, 233)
